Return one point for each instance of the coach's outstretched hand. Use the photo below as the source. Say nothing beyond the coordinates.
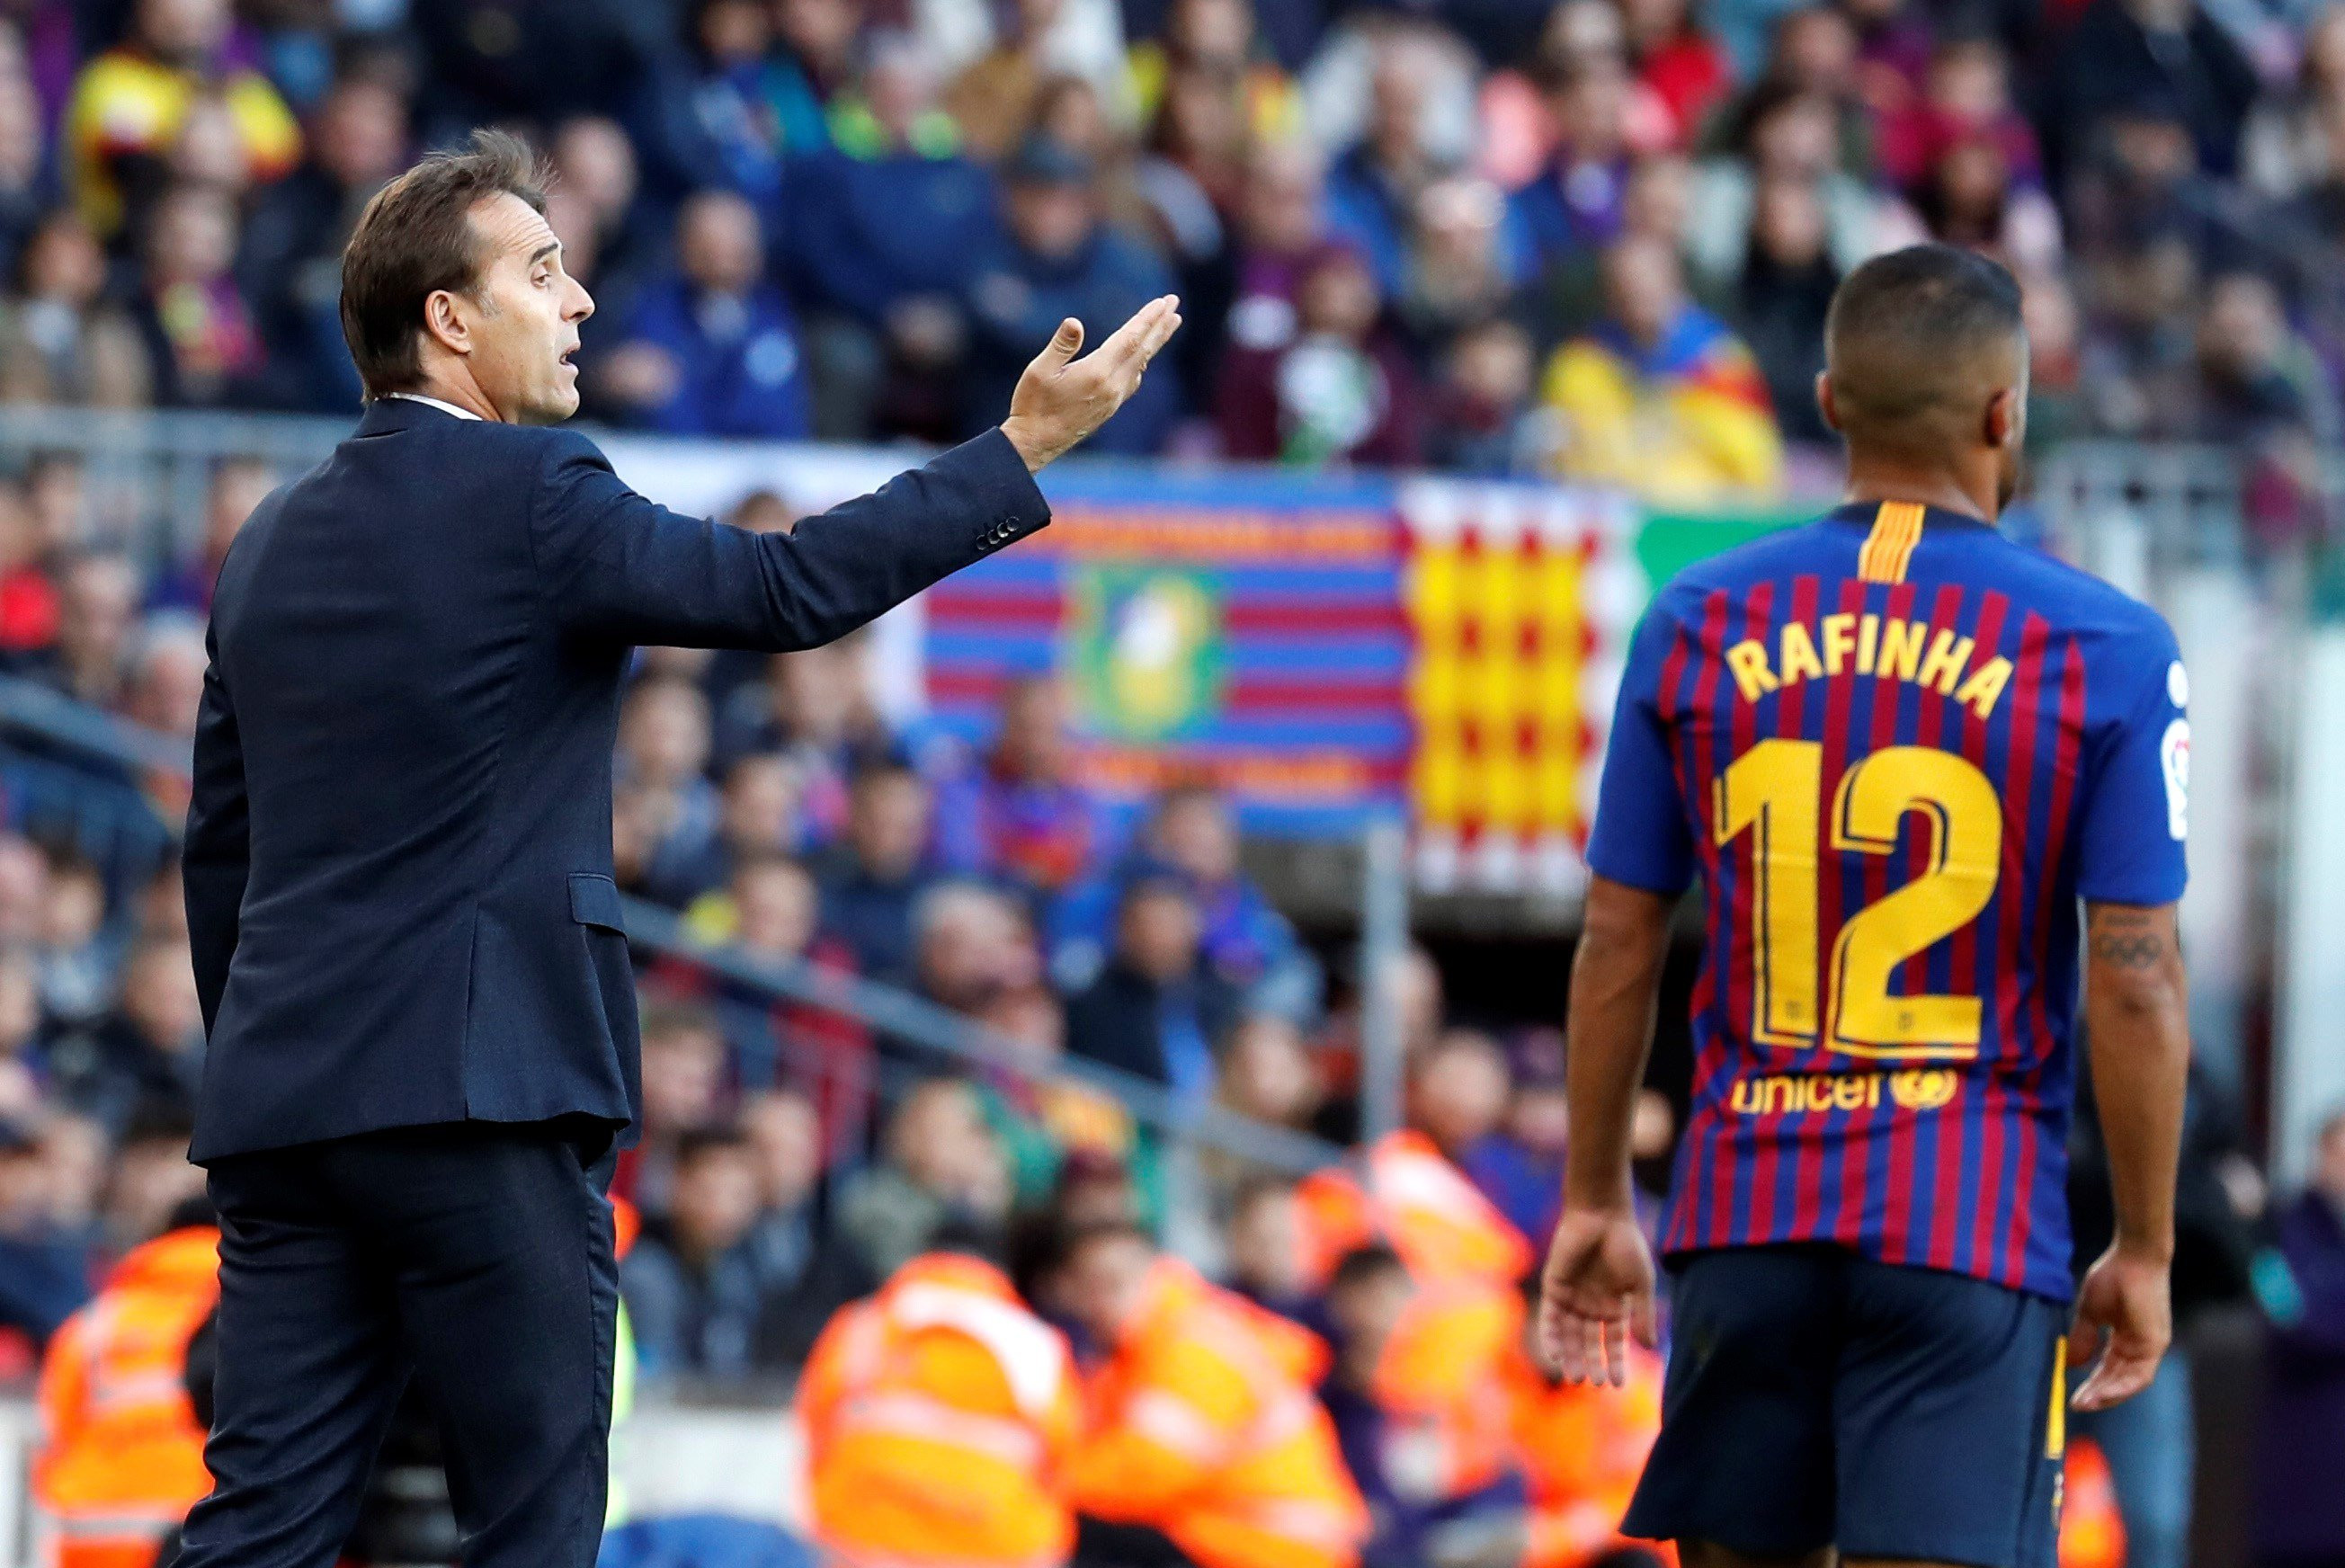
(1596, 1293)
(1061, 399)
(2125, 1315)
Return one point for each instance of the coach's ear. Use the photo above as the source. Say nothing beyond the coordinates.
(447, 319)
(1824, 401)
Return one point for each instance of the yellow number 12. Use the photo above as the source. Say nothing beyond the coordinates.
(1776, 790)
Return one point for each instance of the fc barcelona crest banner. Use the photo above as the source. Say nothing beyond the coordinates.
(1242, 628)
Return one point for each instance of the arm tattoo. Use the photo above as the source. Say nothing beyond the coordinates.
(2128, 940)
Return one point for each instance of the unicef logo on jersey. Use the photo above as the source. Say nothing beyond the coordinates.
(1924, 1088)
(1814, 1094)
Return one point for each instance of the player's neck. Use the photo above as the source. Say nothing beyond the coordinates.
(1876, 481)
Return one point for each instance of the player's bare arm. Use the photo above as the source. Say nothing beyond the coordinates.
(1597, 1291)
(2136, 1019)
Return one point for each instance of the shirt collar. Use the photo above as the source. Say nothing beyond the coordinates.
(444, 408)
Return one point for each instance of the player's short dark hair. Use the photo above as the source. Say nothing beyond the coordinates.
(415, 239)
(1940, 293)
(1904, 329)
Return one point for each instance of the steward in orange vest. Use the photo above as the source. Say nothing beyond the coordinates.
(939, 1414)
(1202, 1423)
(1583, 1448)
(1408, 1193)
(122, 1456)
(1423, 1409)
(1436, 1394)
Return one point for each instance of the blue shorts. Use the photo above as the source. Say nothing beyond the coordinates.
(1816, 1398)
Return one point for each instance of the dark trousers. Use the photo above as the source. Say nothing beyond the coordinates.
(479, 1256)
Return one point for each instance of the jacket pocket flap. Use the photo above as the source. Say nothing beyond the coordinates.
(595, 901)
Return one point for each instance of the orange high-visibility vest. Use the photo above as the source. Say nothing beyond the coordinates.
(1583, 1449)
(1203, 1425)
(1408, 1194)
(122, 1459)
(2092, 1531)
(1442, 1382)
(939, 1417)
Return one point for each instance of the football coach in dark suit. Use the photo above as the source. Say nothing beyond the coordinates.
(398, 860)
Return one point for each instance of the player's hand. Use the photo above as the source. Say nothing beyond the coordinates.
(2124, 1316)
(1596, 1294)
(1061, 399)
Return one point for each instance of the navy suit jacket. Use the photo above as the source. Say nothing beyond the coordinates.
(397, 854)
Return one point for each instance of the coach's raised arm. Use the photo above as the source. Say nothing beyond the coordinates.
(406, 933)
(618, 564)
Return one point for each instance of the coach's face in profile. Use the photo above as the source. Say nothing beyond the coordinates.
(517, 329)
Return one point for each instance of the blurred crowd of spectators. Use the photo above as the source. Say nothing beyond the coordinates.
(1589, 238)
(1586, 238)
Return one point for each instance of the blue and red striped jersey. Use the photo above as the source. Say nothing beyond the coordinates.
(1897, 748)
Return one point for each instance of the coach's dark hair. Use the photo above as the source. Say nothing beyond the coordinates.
(1904, 329)
(415, 239)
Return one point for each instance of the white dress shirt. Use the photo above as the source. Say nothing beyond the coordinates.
(444, 407)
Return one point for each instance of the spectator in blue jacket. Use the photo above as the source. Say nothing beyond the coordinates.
(43, 1264)
(873, 879)
(1192, 836)
(733, 1278)
(1055, 258)
(711, 350)
(1572, 207)
(1372, 190)
(887, 229)
(723, 110)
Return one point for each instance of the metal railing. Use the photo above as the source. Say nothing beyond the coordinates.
(905, 1016)
(145, 476)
